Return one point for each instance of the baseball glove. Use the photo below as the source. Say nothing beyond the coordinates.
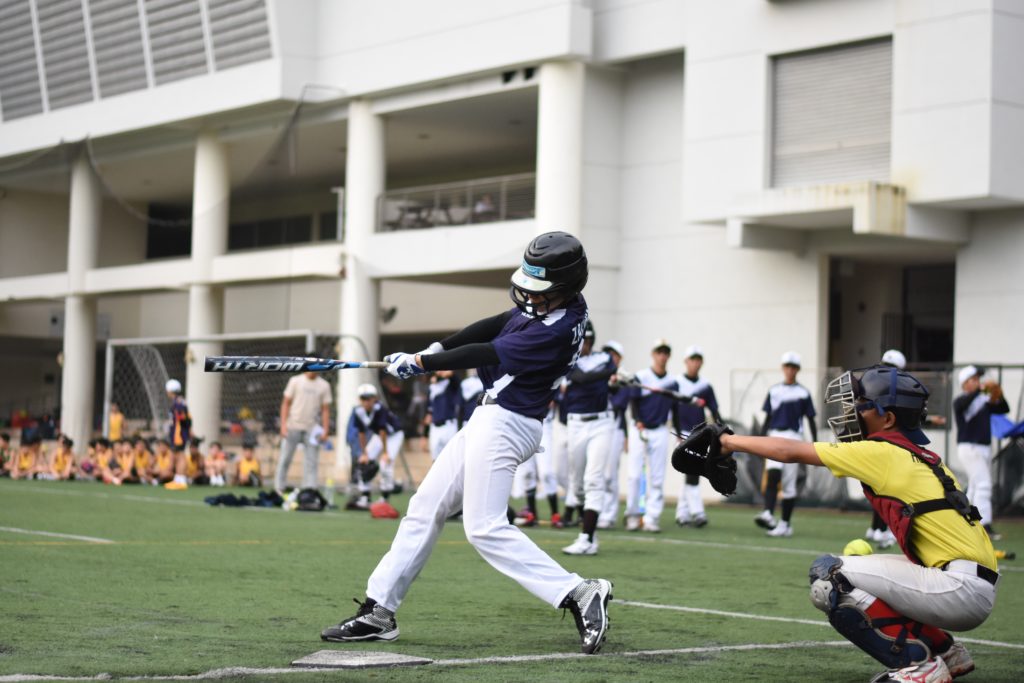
(700, 453)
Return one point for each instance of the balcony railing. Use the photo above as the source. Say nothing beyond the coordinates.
(484, 200)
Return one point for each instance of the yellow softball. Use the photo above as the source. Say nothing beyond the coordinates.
(857, 546)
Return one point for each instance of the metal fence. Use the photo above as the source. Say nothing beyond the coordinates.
(484, 200)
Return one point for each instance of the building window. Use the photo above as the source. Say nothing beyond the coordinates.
(169, 231)
(271, 232)
(831, 115)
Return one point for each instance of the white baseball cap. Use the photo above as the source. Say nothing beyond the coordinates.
(967, 373)
(693, 351)
(173, 386)
(612, 345)
(894, 358)
(366, 391)
(791, 358)
(661, 344)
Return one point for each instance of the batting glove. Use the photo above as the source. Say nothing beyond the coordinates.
(403, 365)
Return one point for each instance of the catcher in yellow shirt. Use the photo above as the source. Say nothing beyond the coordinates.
(895, 607)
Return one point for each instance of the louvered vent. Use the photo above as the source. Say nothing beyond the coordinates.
(20, 93)
(117, 42)
(175, 39)
(239, 30)
(65, 55)
(832, 118)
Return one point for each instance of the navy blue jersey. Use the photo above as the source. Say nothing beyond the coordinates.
(787, 405)
(619, 400)
(688, 415)
(652, 409)
(377, 420)
(471, 389)
(587, 391)
(534, 354)
(445, 400)
(973, 413)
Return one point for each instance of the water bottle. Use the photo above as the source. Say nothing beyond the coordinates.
(329, 493)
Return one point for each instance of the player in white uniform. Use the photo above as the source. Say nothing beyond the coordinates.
(619, 400)
(785, 407)
(648, 440)
(378, 434)
(521, 356)
(690, 507)
(591, 425)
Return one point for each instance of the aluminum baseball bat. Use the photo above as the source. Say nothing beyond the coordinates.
(283, 364)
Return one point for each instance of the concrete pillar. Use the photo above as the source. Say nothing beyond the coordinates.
(79, 369)
(360, 293)
(211, 195)
(560, 147)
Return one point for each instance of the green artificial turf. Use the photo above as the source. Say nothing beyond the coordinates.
(186, 588)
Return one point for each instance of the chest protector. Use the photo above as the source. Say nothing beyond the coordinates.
(900, 515)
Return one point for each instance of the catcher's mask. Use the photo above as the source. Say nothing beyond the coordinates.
(554, 267)
(880, 388)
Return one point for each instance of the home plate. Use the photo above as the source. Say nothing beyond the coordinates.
(349, 659)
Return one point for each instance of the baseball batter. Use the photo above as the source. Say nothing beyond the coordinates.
(521, 356)
(898, 609)
(785, 407)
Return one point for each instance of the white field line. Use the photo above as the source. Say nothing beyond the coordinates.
(235, 672)
(73, 537)
(790, 620)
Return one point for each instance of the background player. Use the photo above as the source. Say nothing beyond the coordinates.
(520, 355)
(896, 607)
(443, 407)
(619, 400)
(686, 416)
(785, 407)
(378, 441)
(591, 424)
(973, 410)
(179, 434)
(648, 441)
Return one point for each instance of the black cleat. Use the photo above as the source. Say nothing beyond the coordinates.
(588, 603)
(700, 521)
(371, 622)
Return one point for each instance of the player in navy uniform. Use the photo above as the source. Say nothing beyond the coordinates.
(785, 407)
(521, 356)
(591, 425)
(444, 404)
(973, 410)
(378, 435)
(686, 416)
(472, 389)
(649, 439)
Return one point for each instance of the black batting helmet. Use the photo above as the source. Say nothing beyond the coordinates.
(554, 266)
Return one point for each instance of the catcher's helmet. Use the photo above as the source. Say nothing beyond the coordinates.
(554, 266)
(883, 388)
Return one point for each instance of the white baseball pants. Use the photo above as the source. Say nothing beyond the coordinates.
(956, 599)
(790, 470)
(976, 460)
(653, 449)
(537, 472)
(374, 448)
(611, 478)
(589, 442)
(473, 473)
(440, 435)
(560, 460)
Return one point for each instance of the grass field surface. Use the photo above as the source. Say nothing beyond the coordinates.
(130, 581)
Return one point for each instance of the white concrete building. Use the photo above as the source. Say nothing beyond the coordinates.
(829, 176)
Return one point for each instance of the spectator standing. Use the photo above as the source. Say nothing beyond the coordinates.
(307, 398)
(973, 410)
(116, 422)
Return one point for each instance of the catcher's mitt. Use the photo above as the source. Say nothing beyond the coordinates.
(701, 453)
